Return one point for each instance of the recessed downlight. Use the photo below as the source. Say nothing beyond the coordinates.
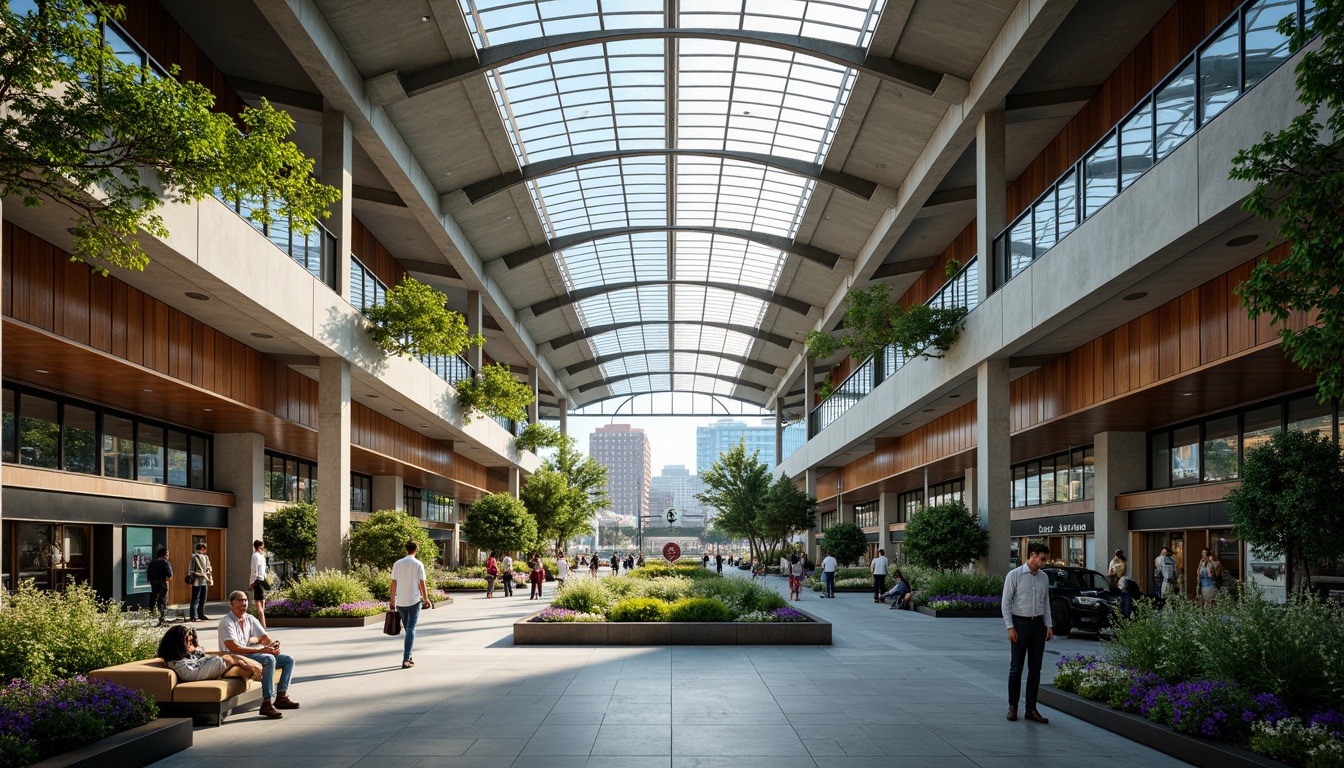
(1135, 296)
(1242, 240)
(197, 296)
(928, 410)
(258, 335)
(41, 370)
(208, 410)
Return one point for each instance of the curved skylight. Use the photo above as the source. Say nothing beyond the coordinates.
(672, 92)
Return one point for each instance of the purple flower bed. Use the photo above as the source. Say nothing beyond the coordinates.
(962, 603)
(307, 609)
(786, 614)
(1210, 708)
(38, 721)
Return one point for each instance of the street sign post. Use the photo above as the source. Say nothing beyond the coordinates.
(671, 552)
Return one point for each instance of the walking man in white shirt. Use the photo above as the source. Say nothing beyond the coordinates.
(408, 594)
(561, 571)
(1026, 613)
(241, 633)
(879, 568)
(828, 568)
(258, 584)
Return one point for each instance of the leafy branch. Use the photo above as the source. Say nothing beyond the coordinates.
(536, 436)
(873, 322)
(494, 392)
(414, 320)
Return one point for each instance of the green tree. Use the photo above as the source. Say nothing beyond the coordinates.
(500, 523)
(559, 509)
(1291, 501)
(845, 542)
(381, 540)
(873, 321)
(291, 534)
(415, 320)
(536, 436)
(737, 485)
(1299, 176)
(945, 537)
(110, 141)
(717, 536)
(587, 481)
(494, 392)
(787, 511)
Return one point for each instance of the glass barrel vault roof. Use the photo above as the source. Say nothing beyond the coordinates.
(651, 94)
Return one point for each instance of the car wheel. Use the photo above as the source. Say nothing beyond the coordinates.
(1059, 615)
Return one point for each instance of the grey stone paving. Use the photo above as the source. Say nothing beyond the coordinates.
(896, 688)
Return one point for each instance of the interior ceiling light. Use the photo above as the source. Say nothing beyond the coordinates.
(1135, 296)
(197, 296)
(1242, 240)
(424, 19)
(42, 370)
(208, 410)
(146, 390)
(263, 335)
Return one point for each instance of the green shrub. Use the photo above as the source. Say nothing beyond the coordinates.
(699, 609)
(740, 595)
(329, 588)
(584, 596)
(1294, 742)
(49, 635)
(452, 582)
(381, 540)
(638, 609)
(661, 570)
(960, 583)
(669, 589)
(377, 580)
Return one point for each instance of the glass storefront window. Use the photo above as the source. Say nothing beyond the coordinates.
(1220, 450)
(1089, 472)
(1259, 425)
(1304, 415)
(200, 460)
(1159, 454)
(179, 448)
(80, 434)
(149, 454)
(1062, 488)
(39, 432)
(1047, 473)
(1185, 455)
(118, 447)
(10, 432)
(1020, 486)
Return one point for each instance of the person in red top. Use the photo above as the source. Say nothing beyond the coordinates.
(538, 577)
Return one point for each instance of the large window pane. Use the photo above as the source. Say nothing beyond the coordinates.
(1099, 182)
(1185, 455)
(10, 430)
(39, 432)
(80, 427)
(1066, 192)
(1033, 484)
(1220, 449)
(1265, 47)
(150, 460)
(118, 447)
(1304, 414)
(1020, 249)
(1136, 145)
(1176, 110)
(1062, 477)
(177, 457)
(1159, 454)
(1219, 73)
(1019, 486)
(1259, 425)
(1089, 472)
(200, 461)
(275, 478)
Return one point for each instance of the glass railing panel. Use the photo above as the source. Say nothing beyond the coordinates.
(1175, 109)
(1136, 144)
(1066, 192)
(1265, 47)
(1219, 72)
(1045, 232)
(1100, 176)
(795, 434)
(1020, 250)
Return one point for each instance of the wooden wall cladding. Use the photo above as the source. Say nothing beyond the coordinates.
(1184, 26)
(168, 44)
(1200, 327)
(374, 256)
(43, 288)
(962, 248)
(949, 434)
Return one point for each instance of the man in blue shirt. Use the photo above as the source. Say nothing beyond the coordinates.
(1026, 613)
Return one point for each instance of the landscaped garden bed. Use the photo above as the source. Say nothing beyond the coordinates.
(959, 606)
(662, 605)
(336, 599)
(46, 722)
(1244, 673)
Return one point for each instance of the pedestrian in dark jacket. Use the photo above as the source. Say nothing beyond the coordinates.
(159, 572)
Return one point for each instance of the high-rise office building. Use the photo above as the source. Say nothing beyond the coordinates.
(678, 488)
(628, 457)
(719, 437)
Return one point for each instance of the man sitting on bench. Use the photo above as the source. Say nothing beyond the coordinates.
(900, 594)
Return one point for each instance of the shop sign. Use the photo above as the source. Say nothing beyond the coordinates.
(1053, 526)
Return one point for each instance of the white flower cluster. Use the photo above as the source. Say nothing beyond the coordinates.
(1293, 740)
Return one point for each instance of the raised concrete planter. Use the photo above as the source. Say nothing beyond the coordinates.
(334, 621)
(814, 632)
(1196, 751)
(958, 614)
(135, 748)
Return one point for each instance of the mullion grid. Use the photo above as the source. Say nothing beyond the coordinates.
(791, 17)
(497, 23)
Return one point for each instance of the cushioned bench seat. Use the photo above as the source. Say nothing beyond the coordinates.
(207, 702)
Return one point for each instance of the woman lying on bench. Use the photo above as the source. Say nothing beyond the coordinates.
(182, 653)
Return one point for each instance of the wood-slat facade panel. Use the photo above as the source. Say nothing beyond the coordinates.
(373, 255)
(947, 435)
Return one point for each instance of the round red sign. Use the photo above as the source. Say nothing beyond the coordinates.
(671, 551)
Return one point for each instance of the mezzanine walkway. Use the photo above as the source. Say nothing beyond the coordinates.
(897, 688)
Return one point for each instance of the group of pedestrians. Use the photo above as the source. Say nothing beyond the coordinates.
(536, 574)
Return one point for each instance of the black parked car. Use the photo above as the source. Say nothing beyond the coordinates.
(1079, 599)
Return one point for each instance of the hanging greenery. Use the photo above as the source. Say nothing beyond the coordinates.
(952, 268)
(414, 321)
(536, 436)
(873, 321)
(494, 392)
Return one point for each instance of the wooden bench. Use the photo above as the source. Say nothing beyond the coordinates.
(206, 702)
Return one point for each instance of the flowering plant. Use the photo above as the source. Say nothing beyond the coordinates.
(566, 615)
(38, 721)
(1210, 708)
(962, 603)
(1100, 680)
(1291, 740)
(306, 609)
(777, 615)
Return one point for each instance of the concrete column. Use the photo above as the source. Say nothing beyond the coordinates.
(886, 515)
(1121, 464)
(333, 461)
(564, 417)
(388, 492)
(453, 559)
(338, 171)
(969, 497)
(991, 187)
(475, 317)
(809, 393)
(534, 410)
(993, 460)
(779, 431)
(4, 278)
(240, 470)
(515, 481)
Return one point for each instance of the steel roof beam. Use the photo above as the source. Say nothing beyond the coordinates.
(574, 297)
(943, 87)
(598, 330)
(746, 362)
(809, 252)
(861, 188)
(625, 377)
